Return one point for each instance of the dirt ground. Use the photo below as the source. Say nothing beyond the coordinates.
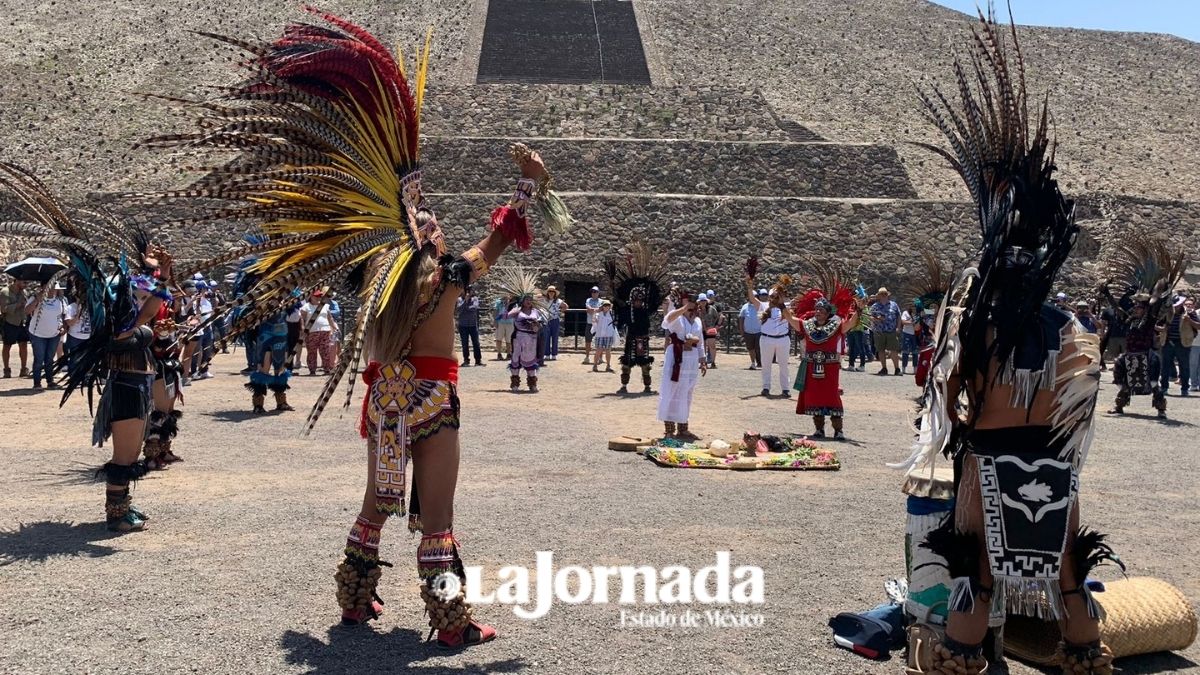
(234, 573)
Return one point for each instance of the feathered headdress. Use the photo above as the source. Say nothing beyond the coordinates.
(518, 283)
(828, 287)
(327, 125)
(1146, 267)
(931, 282)
(98, 253)
(1028, 227)
(642, 272)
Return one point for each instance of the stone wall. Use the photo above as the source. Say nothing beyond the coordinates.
(609, 111)
(708, 240)
(755, 169)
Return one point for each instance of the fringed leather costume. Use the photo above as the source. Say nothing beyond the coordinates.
(1016, 485)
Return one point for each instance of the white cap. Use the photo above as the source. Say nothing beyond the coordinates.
(595, 289)
(711, 293)
(763, 291)
(1060, 296)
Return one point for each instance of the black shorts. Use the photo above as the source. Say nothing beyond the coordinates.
(15, 334)
(131, 396)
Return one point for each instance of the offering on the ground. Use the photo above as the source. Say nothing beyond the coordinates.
(754, 452)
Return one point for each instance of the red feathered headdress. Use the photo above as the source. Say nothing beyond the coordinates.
(829, 287)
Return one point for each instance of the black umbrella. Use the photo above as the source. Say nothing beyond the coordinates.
(34, 269)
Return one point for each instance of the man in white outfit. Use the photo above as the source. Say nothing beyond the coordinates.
(682, 368)
(775, 343)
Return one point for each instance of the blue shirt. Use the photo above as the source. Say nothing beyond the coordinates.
(1088, 322)
(890, 313)
(751, 323)
(500, 310)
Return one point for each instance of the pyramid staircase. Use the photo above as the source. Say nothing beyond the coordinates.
(708, 174)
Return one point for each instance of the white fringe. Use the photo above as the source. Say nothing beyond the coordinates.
(962, 599)
(1094, 609)
(1075, 402)
(934, 434)
(1037, 598)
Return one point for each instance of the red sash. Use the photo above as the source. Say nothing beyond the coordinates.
(677, 347)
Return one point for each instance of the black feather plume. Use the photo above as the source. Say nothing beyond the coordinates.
(1090, 551)
(960, 549)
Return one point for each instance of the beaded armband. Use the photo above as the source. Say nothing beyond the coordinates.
(479, 264)
(523, 195)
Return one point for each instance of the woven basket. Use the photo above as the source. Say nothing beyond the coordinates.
(626, 443)
(1142, 616)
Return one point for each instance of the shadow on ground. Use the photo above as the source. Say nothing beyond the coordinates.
(1144, 664)
(39, 542)
(628, 394)
(1154, 418)
(75, 474)
(20, 392)
(234, 415)
(401, 650)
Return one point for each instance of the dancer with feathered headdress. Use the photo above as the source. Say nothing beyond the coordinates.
(327, 126)
(121, 287)
(1030, 377)
(528, 323)
(637, 284)
(1147, 270)
(822, 317)
(928, 290)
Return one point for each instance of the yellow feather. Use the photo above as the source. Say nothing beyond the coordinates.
(394, 277)
(422, 75)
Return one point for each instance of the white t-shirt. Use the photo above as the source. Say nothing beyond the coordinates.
(604, 326)
(81, 329)
(206, 309)
(906, 325)
(322, 323)
(47, 319)
(593, 304)
(775, 325)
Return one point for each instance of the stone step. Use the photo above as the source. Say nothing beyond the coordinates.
(604, 110)
(760, 168)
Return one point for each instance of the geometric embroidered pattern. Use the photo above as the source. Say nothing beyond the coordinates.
(402, 410)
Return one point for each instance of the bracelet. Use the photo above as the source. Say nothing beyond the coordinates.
(523, 194)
